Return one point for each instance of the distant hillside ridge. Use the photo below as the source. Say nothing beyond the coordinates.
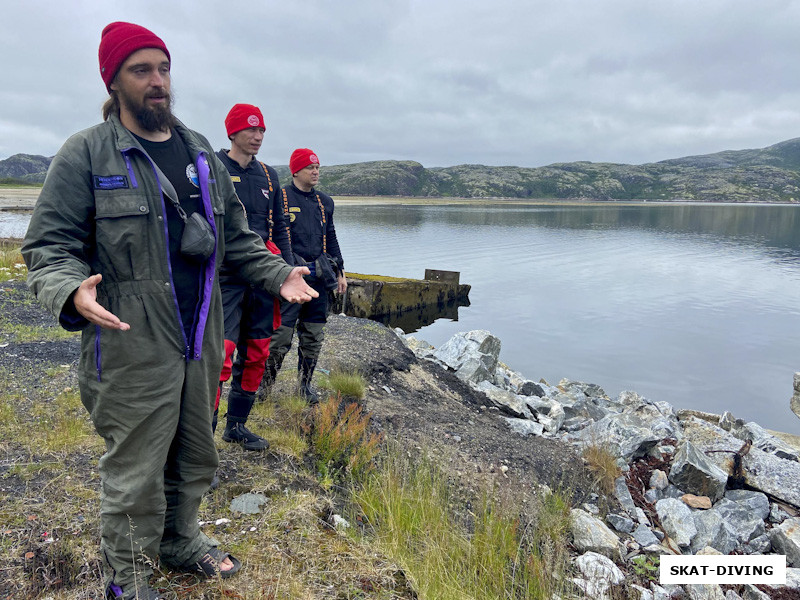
(770, 174)
(25, 168)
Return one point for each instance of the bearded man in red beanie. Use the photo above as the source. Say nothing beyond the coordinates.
(251, 314)
(125, 244)
(314, 244)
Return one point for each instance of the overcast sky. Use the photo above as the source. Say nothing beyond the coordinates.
(442, 82)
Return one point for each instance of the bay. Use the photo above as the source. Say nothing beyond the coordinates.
(693, 304)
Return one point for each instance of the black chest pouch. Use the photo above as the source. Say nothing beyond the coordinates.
(198, 239)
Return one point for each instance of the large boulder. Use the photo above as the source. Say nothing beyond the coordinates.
(714, 532)
(677, 520)
(472, 355)
(590, 534)
(694, 473)
(630, 434)
(760, 470)
(508, 402)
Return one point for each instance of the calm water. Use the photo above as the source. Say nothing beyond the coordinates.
(697, 305)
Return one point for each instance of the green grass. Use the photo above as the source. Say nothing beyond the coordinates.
(407, 505)
(347, 383)
(12, 182)
(17, 332)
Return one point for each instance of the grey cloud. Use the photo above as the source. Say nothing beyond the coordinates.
(506, 82)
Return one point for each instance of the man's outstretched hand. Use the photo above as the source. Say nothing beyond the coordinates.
(85, 300)
(295, 288)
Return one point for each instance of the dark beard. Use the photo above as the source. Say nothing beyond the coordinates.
(157, 118)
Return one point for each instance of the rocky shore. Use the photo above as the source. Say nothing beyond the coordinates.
(691, 482)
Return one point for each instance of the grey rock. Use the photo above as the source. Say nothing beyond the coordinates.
(553, 420)
(248, 504)
(575, 424)
(508, 402)
(591, 534)
(765, 472)
(652, 496)
(599, 574)
(677, 521)
(792, 579)
(756, 502)
(589, 390)
(731, 595)
(786, 540)
(644, 593)
(693, 472)
(758, 545)
(765, 441)
(713, 531)
(632, 433)
(727, 421)
(538, 405)
(777, 514)
(576, 404)
(751, 592)
(644, 536)
(598, 567)
(472, 355)
(531, 388)
(672, 491)
(414, 343)
(623, 496)
(621, 523)
(590, 508)
(740, 519)
(663, 593)
(704, 592)
(658, 480)
(524, 426)
(794, 404)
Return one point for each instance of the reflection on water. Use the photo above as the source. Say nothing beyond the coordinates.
(413, 320)
(692, 304)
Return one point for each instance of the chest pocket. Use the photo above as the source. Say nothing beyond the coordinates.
(124, 235)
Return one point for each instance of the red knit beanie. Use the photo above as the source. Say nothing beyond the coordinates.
(118, 41)
(243, 116)
(301, 158)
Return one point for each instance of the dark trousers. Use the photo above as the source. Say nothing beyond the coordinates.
(251, 317)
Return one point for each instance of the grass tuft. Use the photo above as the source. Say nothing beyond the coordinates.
(341, 441)
(347, 383)
(603, 465)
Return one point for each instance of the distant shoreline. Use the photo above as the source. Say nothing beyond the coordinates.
(24, 199)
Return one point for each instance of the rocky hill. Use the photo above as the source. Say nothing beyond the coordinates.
(769, 174)
(27, 168)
